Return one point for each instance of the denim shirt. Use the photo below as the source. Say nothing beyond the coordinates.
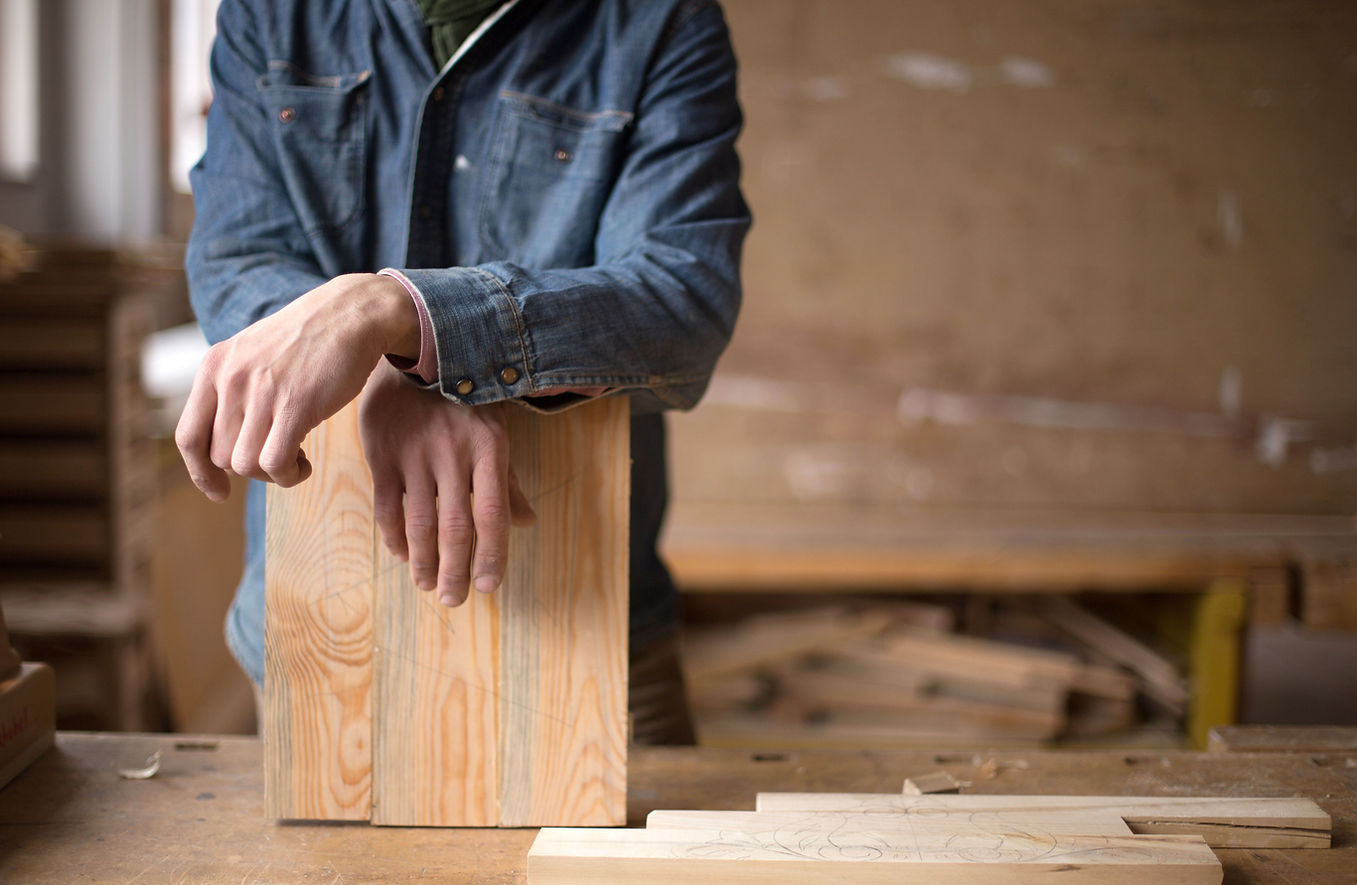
(564, 195)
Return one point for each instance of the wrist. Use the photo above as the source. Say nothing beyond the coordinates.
(397, 318)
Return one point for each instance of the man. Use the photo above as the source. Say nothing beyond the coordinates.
(549, 189)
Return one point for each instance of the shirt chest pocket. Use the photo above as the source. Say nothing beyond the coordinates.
(319, 129)
(551, 172)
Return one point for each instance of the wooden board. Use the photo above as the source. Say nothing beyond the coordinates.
(319, 631)
(435, 719)
(809, 854)
(508, 710)
(1059, 822)
(563, 641)
(1223, 822)
(1283, 739)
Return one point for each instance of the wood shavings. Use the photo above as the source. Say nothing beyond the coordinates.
(992, 767)
(145, 773)
(933, 782)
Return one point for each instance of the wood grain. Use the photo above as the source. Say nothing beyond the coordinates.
(1059, 822)
(563, 630)
(318, 712)
(507, 710)
(435, 713)
(809, 854)
(1224, 822)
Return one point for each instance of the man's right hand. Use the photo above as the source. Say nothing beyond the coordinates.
(444, 494)
(258, 393)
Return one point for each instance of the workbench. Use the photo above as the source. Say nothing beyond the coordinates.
(72, 818)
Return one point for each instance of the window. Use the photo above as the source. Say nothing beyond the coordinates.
(18, 89)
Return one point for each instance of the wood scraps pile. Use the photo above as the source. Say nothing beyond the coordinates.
(948, 839)
(891, 673)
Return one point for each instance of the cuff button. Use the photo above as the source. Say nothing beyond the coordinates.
(509, 375)
(464, 386)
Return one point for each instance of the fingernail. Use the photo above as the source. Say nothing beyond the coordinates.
(450, 600)
(486, 584)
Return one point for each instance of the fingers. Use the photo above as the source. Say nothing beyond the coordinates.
(456, 538)
(421, 530)
(389, 512)
(193, 436)
(280, 457)
(490, 509)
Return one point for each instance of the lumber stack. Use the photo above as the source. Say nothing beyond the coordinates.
(77, 477)
(509, 710)
(895, 673)
(813, 838)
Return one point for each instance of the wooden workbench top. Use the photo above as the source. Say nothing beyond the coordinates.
(71, 818)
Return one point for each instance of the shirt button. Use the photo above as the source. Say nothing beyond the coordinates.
(438, 93)
(464, 386)
(508, 374)
(287, 115)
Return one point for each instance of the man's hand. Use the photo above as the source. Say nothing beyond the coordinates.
(259, 393)
(444, 494)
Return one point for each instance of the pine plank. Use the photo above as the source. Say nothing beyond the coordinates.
(813, 855)
(1224, 822)
(508, 710)
(563, 629)
(435, 725)
(769, 824)
(318, 711)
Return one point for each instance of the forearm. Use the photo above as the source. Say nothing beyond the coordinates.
(503, 331)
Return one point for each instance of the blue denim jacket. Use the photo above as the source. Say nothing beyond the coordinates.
(564, 194)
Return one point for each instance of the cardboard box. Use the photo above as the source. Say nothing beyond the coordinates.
(27, 718)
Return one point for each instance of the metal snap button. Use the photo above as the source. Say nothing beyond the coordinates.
(509, 375)
(562, 155)
(465, 386)
(287, 115)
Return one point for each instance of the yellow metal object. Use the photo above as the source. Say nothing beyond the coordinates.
(1214, 651)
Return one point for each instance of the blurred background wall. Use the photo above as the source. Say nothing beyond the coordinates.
(1069, 275)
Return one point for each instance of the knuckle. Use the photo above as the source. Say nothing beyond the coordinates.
(492, 512)
(420, 525)
(386, 511)
(242, 464)
(455, 525)
(187, 437)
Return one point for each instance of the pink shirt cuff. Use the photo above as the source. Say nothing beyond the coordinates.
(426, 367)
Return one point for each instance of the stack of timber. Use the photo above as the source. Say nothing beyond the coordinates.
(509, 710)
(894, 673)
(77, 476)
(865, 837)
